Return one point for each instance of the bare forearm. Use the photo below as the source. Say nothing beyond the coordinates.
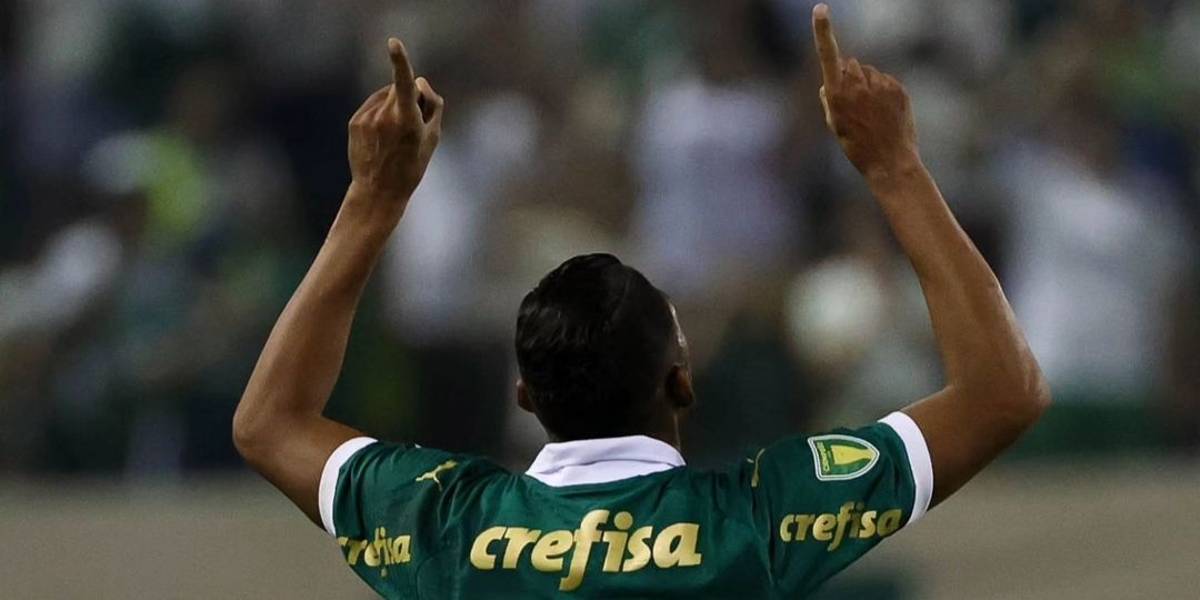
(982, 348)
(994, 390)
(924, 225)
(278, 427)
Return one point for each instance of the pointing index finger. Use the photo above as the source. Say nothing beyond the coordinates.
(402, 73)
(827, 47)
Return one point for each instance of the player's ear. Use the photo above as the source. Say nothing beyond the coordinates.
(523, 399)
(679, 387)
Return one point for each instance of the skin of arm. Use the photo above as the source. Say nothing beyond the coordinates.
(278, 427)
(995, 389)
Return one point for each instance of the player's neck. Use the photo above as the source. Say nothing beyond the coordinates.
(664, 428)
(669, 436)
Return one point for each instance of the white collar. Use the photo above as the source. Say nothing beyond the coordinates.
(602, 460)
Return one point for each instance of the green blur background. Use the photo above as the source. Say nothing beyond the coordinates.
(168, 168)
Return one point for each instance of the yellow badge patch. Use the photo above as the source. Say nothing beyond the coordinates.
(839, 457)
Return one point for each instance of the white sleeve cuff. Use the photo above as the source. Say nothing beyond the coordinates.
(329, 478)
(918, 460)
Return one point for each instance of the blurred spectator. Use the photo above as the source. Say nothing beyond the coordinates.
(168, 169)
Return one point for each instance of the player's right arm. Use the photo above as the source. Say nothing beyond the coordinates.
(994, 389)
(279, 427)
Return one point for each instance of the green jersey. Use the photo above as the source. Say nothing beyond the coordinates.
(623, 517)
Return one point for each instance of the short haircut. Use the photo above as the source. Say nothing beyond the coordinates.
(593, 342)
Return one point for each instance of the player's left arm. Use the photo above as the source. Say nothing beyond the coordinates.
(278, 427)
(995, 389)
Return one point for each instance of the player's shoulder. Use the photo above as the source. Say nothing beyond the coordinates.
(826, 461)
(887, 461)
(837, 454)
(418, 464)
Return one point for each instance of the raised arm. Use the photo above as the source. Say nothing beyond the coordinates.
(994, 389)
(278, 427)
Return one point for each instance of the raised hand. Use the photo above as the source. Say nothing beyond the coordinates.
(394, 133)
(866, 109)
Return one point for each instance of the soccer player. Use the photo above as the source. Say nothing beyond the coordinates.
(609, 508)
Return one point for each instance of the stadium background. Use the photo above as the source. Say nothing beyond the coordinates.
(169, 167)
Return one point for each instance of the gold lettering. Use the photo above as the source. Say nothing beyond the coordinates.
(676, 546)
(784, 534)
(547, 550)
(371, 554)
(639, 551)
(849, 523)
(379, 552)
(401, 549)
(623, 521)
(381, 545)
(855, 520)
(587, 534)
(843, 518)
(868, 524)
(616, 541)
(566, 552)
(823, 527)
(803, 523)
(889, 522)
(518, 539)
(480, 557)
(355, 549)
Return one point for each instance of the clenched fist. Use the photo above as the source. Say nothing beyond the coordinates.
(867, 110)
(394, 133)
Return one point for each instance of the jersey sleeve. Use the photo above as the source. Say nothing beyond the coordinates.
(387, 504)
(825, 500)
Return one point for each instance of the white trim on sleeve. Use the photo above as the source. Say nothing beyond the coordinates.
(918, 460)
(329, 478)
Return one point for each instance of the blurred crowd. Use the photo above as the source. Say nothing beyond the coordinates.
(168, 168)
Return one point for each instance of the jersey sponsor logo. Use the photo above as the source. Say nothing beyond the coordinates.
(380, 552)
(626, 549)
(850, 522)
(433, 474)
(839, 457)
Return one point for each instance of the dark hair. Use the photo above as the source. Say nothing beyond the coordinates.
(592, 345)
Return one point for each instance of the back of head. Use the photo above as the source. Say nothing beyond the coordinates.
(594, 342)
